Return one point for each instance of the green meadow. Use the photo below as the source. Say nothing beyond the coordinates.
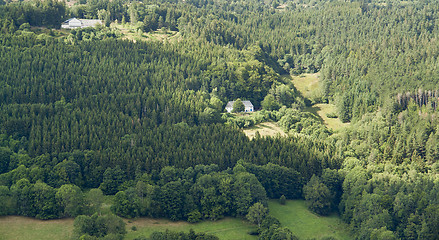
(23, 228)
(228, 228)
(307, 225)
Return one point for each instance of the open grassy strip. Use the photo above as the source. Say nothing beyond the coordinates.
(265, 129)
(132, 32)
(23, 228)
(307, 83)
(322, 110)
(228, 228)
(305, 224)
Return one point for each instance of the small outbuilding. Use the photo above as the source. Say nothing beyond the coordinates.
(248, 106)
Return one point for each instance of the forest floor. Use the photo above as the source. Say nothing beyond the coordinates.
(308, 85)
(307, 225)
(265, 129)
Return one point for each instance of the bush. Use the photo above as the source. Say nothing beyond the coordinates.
(282, 200)
(332, 115)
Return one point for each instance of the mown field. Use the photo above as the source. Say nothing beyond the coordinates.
(265, 129)
(228, 228)
(308, 85)
(307, 225)
(293, 215)
(23, 228)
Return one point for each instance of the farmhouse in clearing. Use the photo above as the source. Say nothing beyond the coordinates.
(248, 106)
(73, 23)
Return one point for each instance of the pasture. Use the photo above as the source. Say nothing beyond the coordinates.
(307, 225)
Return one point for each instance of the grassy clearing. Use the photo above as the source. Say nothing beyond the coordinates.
(228, 228)
(305, 224)
(131, 32)
(322, 110)
(307, 84)
(265, 129)
(23, 228)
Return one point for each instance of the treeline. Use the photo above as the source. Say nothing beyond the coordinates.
(191, 194)
(388, 201)
(421, 98)
(36, 13)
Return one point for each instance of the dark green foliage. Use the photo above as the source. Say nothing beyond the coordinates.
(7, 201)
(5, 158)
(272, 229)
(125, 205)
(100, 227)
(270, 103)
(282, 200)
(277, 180)
(169, 235)
(42, 13)
(317, 196)
(90, 110)
(71, 199)
(238, 106)
(112, 179)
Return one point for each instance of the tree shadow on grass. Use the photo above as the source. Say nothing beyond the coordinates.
(313, 110)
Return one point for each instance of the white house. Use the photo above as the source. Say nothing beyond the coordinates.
(73, 23)
(248, 106)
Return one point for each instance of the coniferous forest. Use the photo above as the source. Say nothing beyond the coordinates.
(86, 113)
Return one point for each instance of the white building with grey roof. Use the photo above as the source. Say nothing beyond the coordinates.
(248, 106)
(73, 23)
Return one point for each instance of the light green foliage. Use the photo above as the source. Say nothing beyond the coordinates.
(238, 106)
(70, 197)
(100, 227)
(257, 213)
(94, 198)
(307, 225)
(282, 200)
(270, 103)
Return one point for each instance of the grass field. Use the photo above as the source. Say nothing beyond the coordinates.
(308, 86)
(305, 224)
(228, 228)
(322, 110)
(23, 228)
(265, 129)
(131, 32)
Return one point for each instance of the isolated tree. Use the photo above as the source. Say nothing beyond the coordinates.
(98, 227)
(257, 213)
(282, 200)
(132, 10)
(238, 106)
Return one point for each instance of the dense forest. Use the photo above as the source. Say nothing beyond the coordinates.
(86, 113)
